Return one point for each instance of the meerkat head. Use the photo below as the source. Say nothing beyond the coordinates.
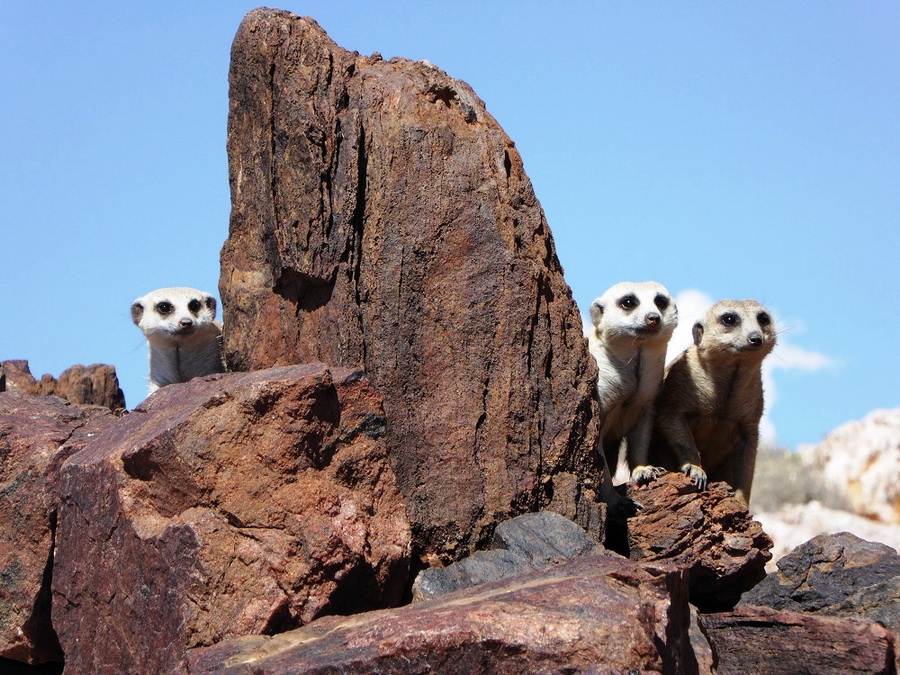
(636, 311)
(736, 329)
(173, 314)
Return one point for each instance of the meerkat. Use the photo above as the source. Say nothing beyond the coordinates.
(711, 401)
(185, 340)
(632, 324)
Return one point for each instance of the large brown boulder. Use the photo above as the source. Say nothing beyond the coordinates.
(382, 219)
(709, 533)
(772, 642)
(36, 435)
(596, 614)
(229, 505)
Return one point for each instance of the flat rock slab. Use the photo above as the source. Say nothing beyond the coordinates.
(522, 544)
(596, 614)
(36, 435)
(229, 505)
(774, 642)
(382, 219)
(709, 533)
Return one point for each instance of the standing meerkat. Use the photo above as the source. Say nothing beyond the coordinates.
(184, 338)
(710, 404)
(632, 324)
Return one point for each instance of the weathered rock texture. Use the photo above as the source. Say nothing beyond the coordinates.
(770, 642)
(36, 435)
(86, 385)
(528, 542)
(709, 533)
(860, 461)
(596, 614)
(225, 506)
(381, 219)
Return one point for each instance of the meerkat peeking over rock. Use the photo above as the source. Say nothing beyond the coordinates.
(184, 338)
(632, 323)
(710, 404)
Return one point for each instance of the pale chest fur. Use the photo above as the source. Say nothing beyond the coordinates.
(626, 386)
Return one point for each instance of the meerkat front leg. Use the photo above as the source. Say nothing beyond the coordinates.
(743, 462)
(637, 447)
(681, 440)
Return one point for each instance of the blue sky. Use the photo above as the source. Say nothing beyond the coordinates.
(722, 149)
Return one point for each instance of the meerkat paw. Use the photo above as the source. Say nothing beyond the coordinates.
(696, 474)
(623, 507)
(645, 474)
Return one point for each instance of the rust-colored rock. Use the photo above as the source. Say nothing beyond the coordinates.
(36, 435)
(772, 642)
(84, 385)
(229, 505)
(381, 219)
(596, 614)
(709, 533)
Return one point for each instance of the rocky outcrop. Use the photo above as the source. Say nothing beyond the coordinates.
(709, 533)
(794, 524)
(822, 574)
(229, 505)
(596, 614)
(860, 462)
(36, 435)
(84, 385)
(767, 641)
(528, 542)
(382, 219)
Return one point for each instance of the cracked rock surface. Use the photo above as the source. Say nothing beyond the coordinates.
(229, 505)
(36, 435)
(382, 219)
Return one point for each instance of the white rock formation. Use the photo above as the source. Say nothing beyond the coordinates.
(860, 462)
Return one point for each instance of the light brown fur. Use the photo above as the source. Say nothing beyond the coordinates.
(711, 401)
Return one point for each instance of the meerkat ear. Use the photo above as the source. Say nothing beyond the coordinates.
(211, 304)
(697, 331)
(596, 312)
(137, 311)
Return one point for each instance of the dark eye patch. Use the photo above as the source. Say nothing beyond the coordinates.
(730, 319)
(165, 307)
(629, 301)
(195, 305)
(763, 319)
(661, 301)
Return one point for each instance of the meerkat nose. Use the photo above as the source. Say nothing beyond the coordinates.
(185, 323)
(755, 339)
(652, 319)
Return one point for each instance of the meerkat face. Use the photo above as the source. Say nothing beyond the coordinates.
(635, 311)
(736, 329)
(173, 313)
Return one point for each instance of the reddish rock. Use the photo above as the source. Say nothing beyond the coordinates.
(709, 533)
(36, 435)
(767, 641)
(228, 505)
(382, 219)
(596, 614)
(85, 385)
(17, 377)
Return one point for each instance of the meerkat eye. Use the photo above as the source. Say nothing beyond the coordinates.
(164, 307)
(730, 319)
(195, 305)
(763, 319)
(628, 302)
(662, 302)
